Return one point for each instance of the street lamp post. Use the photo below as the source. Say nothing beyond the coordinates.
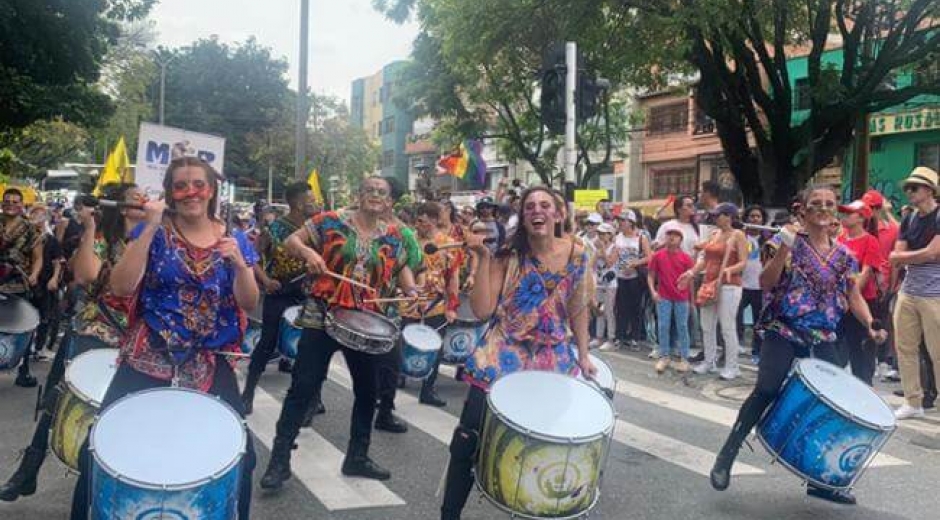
(163, 64)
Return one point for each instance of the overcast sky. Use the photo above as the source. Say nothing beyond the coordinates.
(348, 38)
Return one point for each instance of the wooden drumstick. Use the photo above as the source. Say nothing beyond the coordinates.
(348, 280)
(238, 355)
(390, 300)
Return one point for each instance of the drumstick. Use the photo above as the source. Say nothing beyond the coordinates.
(234, 354)
(348, 280)
(389, 300)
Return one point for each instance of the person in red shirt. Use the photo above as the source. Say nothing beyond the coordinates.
(856, 349)
(887, 234)
(671, 297)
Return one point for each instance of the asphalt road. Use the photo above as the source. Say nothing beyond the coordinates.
(668, 431)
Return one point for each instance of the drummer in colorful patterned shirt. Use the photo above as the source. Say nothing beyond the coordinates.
(437, 282)
(193, 286)
(811, 284)
(20, 260)
(358, 245)
(101, 322)
(533, 292)
(280, 274)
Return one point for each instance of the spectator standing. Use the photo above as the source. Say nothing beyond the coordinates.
(606, 288)
(631, 250)
(671, 299)
(917, 312)
(751, 294)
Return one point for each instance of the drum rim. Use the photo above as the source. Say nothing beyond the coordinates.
(417, 347)
(18, 301)
(52, 429)
(833, 405)
(74, 389)
(234, 463)
(505, 509)
(804, 476)
(396, 332)
(557, 439)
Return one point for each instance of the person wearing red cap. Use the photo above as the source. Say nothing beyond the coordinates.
(887, 234)
(855, 347)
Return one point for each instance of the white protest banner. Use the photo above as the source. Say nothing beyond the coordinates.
(158, 145)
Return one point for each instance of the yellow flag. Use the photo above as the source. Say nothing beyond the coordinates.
(116, 168)
(314, 181)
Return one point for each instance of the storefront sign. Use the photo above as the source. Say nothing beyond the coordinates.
(588, 199)
(912, 121)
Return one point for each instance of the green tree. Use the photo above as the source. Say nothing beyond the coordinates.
(232, 91)
(50, 57)
(28, 152)
(337, 147)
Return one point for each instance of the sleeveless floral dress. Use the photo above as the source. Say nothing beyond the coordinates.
(529, 330)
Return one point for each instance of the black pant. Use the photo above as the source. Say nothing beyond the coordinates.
(777, 356)
(314, 352)
(927, 381)
(753, 298)
(273, 310)
(861, 351)
(389, 367)
(463, 448)
(629, 317)
(47, 303)
(127, 381)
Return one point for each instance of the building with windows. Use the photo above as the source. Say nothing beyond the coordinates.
(373, 109)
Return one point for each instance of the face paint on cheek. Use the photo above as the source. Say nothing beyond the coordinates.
(192, 192)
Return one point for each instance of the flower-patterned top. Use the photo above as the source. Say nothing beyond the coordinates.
(186, 304)
(374, 260)
(812, 294)
(432, 282)
(18, 237)
(278, 263)
(529, 330)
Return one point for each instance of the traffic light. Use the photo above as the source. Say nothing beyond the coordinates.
(553, 99)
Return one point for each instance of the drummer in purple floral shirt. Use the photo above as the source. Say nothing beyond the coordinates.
(193, 285)
(811, 284)
(536, 291)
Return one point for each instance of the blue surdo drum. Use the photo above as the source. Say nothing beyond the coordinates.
(169, 454)
(253, 332)
(826, 426)
(18, 320)
(289, 334)
(462, 335)
(420, 347)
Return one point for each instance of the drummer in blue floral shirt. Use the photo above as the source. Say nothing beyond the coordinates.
(811, 284)
(193, 285)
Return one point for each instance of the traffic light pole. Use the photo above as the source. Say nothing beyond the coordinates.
(571, 125)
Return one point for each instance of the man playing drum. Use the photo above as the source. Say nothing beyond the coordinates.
(811, 280)
(278, 273)
(437, 282)
(533, 292)
(359, 246)
(20, 260)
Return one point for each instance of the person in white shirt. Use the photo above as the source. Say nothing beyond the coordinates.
(752, 295)
(605, 289)
(684, 208)
(631, 250)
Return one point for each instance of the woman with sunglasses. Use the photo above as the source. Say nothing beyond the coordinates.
(193, 285)
(811, 280)
(361, 245)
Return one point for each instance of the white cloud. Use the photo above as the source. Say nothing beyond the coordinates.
(348, 39)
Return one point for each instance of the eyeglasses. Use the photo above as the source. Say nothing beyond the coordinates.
(911, 188)
(818, 206)
(372, 190)
(181, 186)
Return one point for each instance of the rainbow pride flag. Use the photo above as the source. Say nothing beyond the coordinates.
(465, 163)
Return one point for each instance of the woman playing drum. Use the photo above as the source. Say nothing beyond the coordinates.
(811, 280)
(533, 292)
(101, 322)
(193, 285)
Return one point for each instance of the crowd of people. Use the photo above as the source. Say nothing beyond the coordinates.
(171, 285)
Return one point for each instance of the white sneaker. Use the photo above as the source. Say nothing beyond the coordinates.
(607, 346)
(906, 411)
(730, 374)
(654, 354)
(705, 368)
(594, 343)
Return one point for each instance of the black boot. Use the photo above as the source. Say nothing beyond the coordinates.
(386, 421)
(23, 481)
(430, 397)
(358, 464)
(248, 395)
(316, 408)
(278, 467)
(25, 380)
(840, 496)
(285, 366)
(721, 471)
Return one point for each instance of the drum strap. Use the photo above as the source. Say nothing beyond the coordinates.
(109, 317)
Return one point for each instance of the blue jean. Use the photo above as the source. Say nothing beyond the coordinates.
(665, 311)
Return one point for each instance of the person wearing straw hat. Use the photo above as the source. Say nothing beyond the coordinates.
(917, 311)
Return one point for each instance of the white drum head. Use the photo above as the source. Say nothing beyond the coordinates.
(90, 374)
(604, 376)
(422, 337)
(168, 436)
(291, 314)
(847, 392)
(551, 404)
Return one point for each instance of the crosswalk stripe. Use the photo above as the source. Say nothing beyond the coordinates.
(317, 463)
(440, 425)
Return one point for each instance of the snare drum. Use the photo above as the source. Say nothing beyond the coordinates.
(461, 335)
(826, 426)
(166, 453)
(289, 333)
(604, 377)
(544, 445)
(364, 331)
(86, 379)
(18, 320)
(420, 347)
